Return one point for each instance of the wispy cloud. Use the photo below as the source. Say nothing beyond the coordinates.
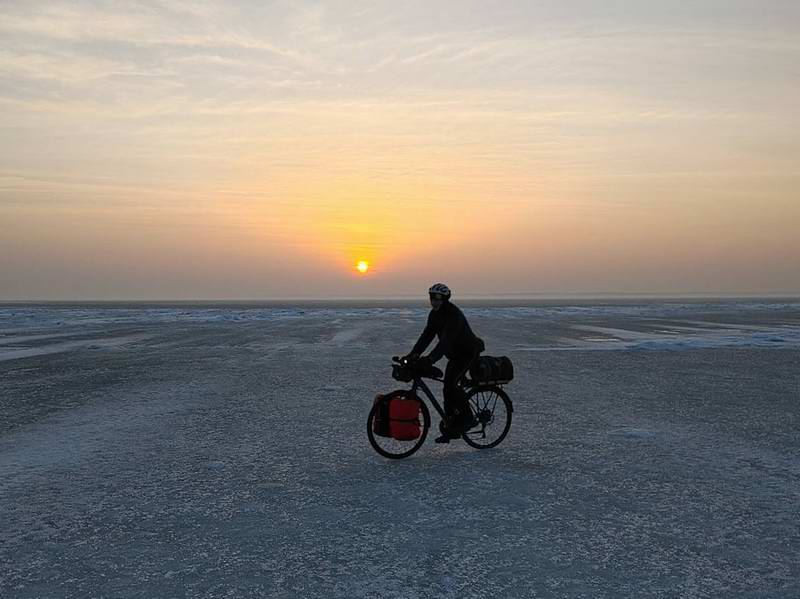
(75, 23)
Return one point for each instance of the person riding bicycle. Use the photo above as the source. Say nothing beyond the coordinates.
(460, 345)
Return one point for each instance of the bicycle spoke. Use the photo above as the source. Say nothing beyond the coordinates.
(478, 402)
(493, 415)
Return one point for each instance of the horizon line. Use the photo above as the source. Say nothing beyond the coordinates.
(373, 298)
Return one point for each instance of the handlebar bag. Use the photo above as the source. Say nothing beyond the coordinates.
(402, 373)
(404, 424)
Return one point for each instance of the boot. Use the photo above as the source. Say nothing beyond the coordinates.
(447, 433)
(464, 420)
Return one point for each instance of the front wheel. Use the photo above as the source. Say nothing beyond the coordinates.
(492, 410)
(395, 449)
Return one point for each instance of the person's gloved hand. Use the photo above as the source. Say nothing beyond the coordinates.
(410, 358)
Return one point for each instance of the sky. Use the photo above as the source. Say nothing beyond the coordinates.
(249, 150)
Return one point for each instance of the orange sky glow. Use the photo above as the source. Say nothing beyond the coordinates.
(241, 151)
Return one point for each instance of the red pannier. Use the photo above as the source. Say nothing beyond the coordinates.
(404, 424)
(397, 416)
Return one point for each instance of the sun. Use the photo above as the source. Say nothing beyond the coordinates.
(362, 267)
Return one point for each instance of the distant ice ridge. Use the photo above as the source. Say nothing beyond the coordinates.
(647, 309)
(47, 316)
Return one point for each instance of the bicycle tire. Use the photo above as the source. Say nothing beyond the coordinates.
(426, 424)
(470, 436)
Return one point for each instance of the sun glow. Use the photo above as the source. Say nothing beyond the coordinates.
(362, 267)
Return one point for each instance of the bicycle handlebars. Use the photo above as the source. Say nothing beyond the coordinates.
(433, 373)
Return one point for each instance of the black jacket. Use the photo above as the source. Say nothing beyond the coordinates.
(455, 335)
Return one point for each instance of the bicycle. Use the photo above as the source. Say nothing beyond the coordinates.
(490, 407)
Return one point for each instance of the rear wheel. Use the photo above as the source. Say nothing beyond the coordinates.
(395, 449)
(492, 410)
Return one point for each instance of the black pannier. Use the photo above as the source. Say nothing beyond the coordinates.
(381, 422)
(488, 369)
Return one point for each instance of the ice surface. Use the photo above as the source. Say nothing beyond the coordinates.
(221, 452)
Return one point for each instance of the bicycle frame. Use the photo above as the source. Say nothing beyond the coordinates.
(420, 384)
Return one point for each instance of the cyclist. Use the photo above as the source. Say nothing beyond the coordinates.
(460, 345)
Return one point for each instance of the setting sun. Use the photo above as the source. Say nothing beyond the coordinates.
(362, 267)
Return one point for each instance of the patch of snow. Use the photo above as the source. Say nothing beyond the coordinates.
(55, 348)
(633, 433)
(343, 337)
(753, 336)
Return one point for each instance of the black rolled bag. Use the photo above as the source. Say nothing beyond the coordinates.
(488, 370)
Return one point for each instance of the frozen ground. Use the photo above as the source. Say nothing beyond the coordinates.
(221, 452)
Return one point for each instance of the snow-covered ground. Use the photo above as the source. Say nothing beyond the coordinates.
(192, 451)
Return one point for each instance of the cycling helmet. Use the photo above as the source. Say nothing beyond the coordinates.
(441, 290)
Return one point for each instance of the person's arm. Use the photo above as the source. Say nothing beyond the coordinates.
(437, 353)
(427, 336)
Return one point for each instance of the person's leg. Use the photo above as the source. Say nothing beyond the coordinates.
(449, 388)
(454, 397)
(450, 379)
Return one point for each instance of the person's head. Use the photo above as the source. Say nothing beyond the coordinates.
(439, 294)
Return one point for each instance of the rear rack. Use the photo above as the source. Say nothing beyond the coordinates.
(471, 383)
